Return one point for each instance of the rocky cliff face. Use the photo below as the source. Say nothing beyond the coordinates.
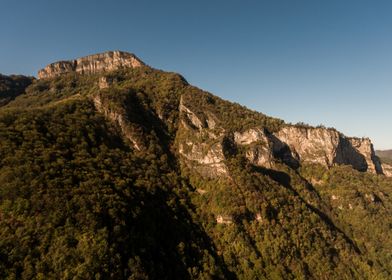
(199, 144)
(119, 117)
(387, 169)
(96, 63)
(203, 146)
(365, 148)
(329, 147)
(314, 145)
(259, 146)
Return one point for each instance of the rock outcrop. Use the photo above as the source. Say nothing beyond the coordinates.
(386, 169)
(328, 147)
(120, 118)
(201, 143)
(292, 145)
(313, 145)
(102, 62)
(224, 219)
(105, 82)
(365, 148)
(258, 145)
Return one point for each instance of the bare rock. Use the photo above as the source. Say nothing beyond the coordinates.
(102, 62)
(209, 160)
(328, 147)
(105, 82)
(120, 119)
(386, 169)
(250, 136)
(224, 219)
(365, 147)
(258, 145)
(314, 145)
(201, 145)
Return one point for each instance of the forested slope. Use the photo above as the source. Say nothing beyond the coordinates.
(143, 179)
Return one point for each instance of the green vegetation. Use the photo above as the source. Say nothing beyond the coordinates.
(12, 86)
(232, 116)
(361, 206)
(79, 201)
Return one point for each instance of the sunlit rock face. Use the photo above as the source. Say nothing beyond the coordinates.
(201, 145)
(365, 147)
(387, 169)
(329, 147)
(259, 150)
(119, 117)
(96, 63)
(314, 145)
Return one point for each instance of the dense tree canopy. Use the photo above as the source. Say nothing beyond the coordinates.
(79, 201)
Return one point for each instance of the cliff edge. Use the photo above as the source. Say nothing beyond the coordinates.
(205, 137)
(102, 62)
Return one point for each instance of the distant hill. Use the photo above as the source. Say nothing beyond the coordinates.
(385, 155)
(111, 169)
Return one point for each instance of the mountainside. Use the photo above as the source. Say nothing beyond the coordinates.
(386, 154)
(111, 169)
(12, 86)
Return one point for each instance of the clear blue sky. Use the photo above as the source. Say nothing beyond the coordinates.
(317, 61)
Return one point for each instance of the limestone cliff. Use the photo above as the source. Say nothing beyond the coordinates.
(200, 143)
(387, 169)
(329, 147)
(259, 146)
(102, 62)
(202, 146)
(120, 118)
(365, 147)
(314, 145)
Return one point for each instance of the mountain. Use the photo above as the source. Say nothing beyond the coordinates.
(386, 155)
(111, 169)
(386, 159)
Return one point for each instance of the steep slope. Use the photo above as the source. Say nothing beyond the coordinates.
(131, 173)
(12, 86)
(78, 201)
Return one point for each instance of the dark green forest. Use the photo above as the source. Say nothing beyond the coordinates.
(78, 200)
(12, 86)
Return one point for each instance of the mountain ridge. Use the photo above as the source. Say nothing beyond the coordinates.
(147, 177)
(354, 151)
(106, 61)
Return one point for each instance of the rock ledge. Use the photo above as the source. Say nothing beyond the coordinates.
(102, 62)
